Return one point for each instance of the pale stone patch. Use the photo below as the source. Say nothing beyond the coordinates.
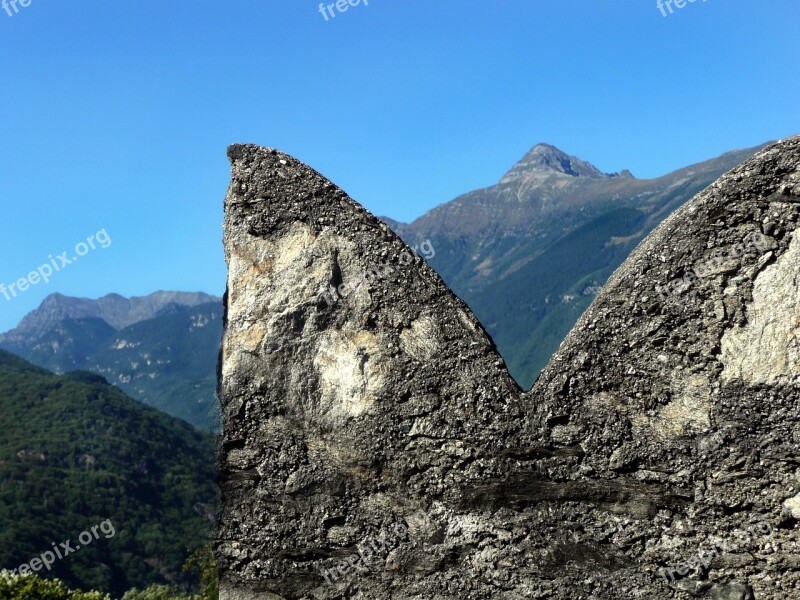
(767, 348)
(792, 505)
(351, 369)
(688, 411)
(421, 340)
(268, 279)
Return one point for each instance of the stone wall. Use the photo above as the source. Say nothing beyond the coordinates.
(376, 447)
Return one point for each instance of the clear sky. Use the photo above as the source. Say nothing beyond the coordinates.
(116, 115)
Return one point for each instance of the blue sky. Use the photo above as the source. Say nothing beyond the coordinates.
(116, 115)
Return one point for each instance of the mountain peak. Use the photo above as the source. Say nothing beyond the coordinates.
(545, 160)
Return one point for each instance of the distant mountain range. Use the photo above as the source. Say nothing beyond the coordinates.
(116, 310)
(160, 349)
(529, 254)
(75, 452)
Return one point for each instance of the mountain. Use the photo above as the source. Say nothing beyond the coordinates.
(544, 161)
(530, 253)
(76, 453)
(160, 349)
(116, 310)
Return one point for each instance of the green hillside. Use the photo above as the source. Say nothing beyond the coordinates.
(167, 361)
(76, 452)
(534, 308)
(68, 345)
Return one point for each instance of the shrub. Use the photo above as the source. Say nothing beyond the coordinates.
(30, 587)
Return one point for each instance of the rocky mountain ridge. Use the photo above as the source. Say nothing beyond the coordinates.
(544, 161)
(118, 311)
(529, 253)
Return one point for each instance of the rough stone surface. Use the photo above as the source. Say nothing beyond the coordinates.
(663, 434)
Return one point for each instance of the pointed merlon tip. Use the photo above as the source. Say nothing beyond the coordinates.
(240, 151)
(244, 151)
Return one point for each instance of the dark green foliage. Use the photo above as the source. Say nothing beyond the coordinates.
(204, 564)
(157, 592)
(34, 588)
(10, 362)
(68, 345)
(76, 451)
